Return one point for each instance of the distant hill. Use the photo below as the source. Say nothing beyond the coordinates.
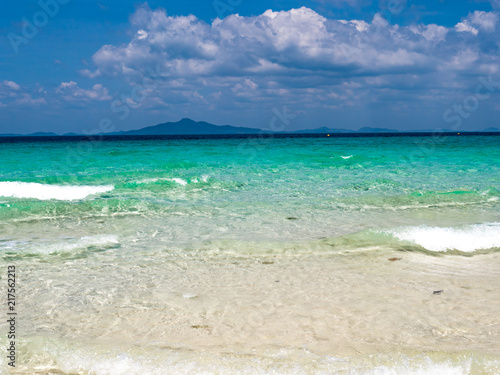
(323, 129)
(367, 129)
(433, 130)
(37, 134)
(187, 126)
(42, 134)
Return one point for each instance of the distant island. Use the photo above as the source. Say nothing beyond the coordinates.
(187, 126)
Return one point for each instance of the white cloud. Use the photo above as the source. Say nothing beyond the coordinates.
(463, 60)
(71, 91)
(245, 88)
(27, 99)
(379, 20)
(13, 94)
(12, 85)
(239, 68)
(141, 34)
(486, 21)
(432, 32)
(466, 27)
(479, 20)
(360, 25)
(286, 53)
(88, 73)
(66, 85)
(298, 39)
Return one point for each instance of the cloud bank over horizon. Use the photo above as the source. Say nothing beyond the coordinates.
(344, 73)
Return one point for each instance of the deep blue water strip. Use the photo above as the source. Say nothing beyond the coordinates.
(78, 138)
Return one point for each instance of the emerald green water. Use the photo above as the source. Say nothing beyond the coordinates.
(177, 207)
(256, 188)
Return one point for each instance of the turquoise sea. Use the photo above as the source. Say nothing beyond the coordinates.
(307, 255)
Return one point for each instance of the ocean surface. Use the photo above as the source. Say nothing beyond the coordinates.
(307, 255)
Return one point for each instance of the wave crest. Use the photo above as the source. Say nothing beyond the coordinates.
(15, 189)
(466, 239)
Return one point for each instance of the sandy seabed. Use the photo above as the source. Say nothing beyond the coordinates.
(351, 312)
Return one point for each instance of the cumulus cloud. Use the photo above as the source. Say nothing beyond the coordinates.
(479, 20)
(295, 42)
(71, 91)
(13, 94)
(484, 20)
(465, 26)
(432, 32)
(298, 54)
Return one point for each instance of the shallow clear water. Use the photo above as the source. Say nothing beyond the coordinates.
(255, 255)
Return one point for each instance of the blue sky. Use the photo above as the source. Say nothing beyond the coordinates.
(74, 65)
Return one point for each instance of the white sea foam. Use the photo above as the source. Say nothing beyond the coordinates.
(346, 157)
(467, 239)
(80, 244)
(86, 361)
(428, 367)
(179, 181)
(15, 189)
(148, 180)
(62, 245)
